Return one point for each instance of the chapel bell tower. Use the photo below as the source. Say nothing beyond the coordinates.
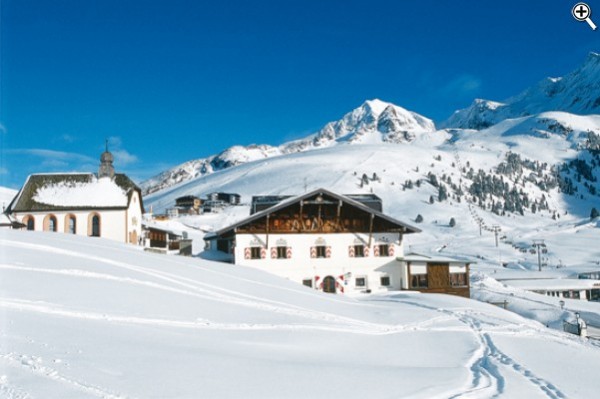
(106, 164)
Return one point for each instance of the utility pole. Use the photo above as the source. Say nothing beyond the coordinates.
(539, 244)
(496, 229)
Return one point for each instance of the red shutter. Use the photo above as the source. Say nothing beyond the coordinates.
(351, 251)
(288, 252)
(391, 249)
(273, 253)
(366, 251)
(247, 254)
(263, 253)
(376, 250)
(313, 252)
(328, 252)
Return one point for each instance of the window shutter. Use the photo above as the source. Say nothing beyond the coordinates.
(328, 252)
(288, 252)
(391, 249)
(313, 252)
(274, 253)
(366, 251)
(247, 254)
(351, 251)
(376, 250)
(263, 253)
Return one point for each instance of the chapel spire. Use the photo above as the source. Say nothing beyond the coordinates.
(106, 163)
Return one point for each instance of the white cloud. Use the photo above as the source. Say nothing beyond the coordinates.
(123, 157)
(464, 85)
(50, 155)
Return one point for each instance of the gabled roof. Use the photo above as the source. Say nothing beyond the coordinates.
(73, 191)
(286, 203)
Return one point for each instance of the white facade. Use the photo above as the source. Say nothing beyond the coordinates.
(124, 225)
(353, 274)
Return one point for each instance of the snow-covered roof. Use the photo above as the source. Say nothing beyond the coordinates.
(556, 284)
(46, 192)
(415, 257)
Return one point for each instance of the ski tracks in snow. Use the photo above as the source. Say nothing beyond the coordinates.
(36, 366)
(488, 361)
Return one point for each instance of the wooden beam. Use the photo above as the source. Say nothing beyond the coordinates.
(339, 215)
(371, 229)
(300, 220)
(267, 243)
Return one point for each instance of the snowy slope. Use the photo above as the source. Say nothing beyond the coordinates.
(546, 138)
(577, 92)
(6, 195)
(85, 317)
(373, 122)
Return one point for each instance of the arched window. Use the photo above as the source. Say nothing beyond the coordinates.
(70, 224)
(94, 225)
(29, 222)
(50, 223)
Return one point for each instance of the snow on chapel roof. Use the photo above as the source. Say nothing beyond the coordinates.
(44, 192)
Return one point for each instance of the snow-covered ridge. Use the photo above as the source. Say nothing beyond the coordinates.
(379, 122)
(578, 92)
(375, 121)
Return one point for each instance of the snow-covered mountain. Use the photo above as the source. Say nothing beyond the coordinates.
(374, 121)
(577, 92)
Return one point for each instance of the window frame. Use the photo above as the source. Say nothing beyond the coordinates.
(459, 280)
(254, 251)
(419, 281)
(389, 280)
(360, 286)
(282, 252)
(386, 252)
(359, 251)
(319, 249)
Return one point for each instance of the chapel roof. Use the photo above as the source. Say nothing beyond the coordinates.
(72, 191)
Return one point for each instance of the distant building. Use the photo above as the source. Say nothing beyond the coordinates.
(227, 198)
(571, 288)
(215, 202)
(107, 205)
(188, 204)
(329, 242)
(167, 241)
(262, 202)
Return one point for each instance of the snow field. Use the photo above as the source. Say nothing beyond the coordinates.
(87, 317)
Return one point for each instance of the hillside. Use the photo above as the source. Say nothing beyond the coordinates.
(497, 176)
(373, 122)
(85, 317)
(376, 121)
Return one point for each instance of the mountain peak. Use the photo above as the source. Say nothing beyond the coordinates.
(375, 105)
(577, 92)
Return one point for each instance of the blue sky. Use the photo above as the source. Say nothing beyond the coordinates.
(173, 80)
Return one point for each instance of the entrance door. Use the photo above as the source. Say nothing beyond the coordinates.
(438, 275)
(329, 285)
